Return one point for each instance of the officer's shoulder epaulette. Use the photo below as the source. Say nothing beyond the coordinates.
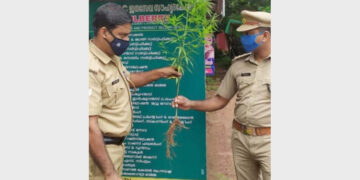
(93, 65)
(241, 57)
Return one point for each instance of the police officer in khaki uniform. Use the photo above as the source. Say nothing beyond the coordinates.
(248, 78)
(110, 108)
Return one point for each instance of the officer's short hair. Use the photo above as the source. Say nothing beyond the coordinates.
(110, 15)
(265, 29)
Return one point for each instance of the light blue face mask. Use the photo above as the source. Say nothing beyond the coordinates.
(249, 43)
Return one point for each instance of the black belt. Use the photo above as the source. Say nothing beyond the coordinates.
(114, 140)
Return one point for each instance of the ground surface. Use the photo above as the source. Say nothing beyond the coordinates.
(220, 164)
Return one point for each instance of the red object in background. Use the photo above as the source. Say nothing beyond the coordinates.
(221, 42)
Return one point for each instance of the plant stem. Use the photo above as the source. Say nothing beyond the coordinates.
(177, 94)
(181, 64)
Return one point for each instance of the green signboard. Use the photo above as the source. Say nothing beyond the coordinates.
(145, 156)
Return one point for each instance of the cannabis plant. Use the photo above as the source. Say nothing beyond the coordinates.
(187, 32)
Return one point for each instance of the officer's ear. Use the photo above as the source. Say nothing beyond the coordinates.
(266, 35)
(103, 32)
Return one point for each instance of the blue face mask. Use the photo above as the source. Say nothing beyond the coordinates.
(119, 46)
(249, 43)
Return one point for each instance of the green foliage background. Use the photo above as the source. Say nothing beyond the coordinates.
(234, 7)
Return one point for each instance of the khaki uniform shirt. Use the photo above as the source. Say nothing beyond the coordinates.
(252, 83)
(109, 93)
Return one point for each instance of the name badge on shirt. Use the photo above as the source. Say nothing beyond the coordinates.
(245, 74)
(116, 81)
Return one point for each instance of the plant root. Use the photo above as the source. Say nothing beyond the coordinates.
(176, 124)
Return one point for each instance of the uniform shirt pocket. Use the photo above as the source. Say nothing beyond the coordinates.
(112, 93)
(244, 85)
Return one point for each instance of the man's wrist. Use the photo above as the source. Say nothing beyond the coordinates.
(109, 173)
(159, 73)
(192, 104)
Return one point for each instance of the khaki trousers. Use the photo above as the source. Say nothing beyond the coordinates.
(116, 154)
(252, 156)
